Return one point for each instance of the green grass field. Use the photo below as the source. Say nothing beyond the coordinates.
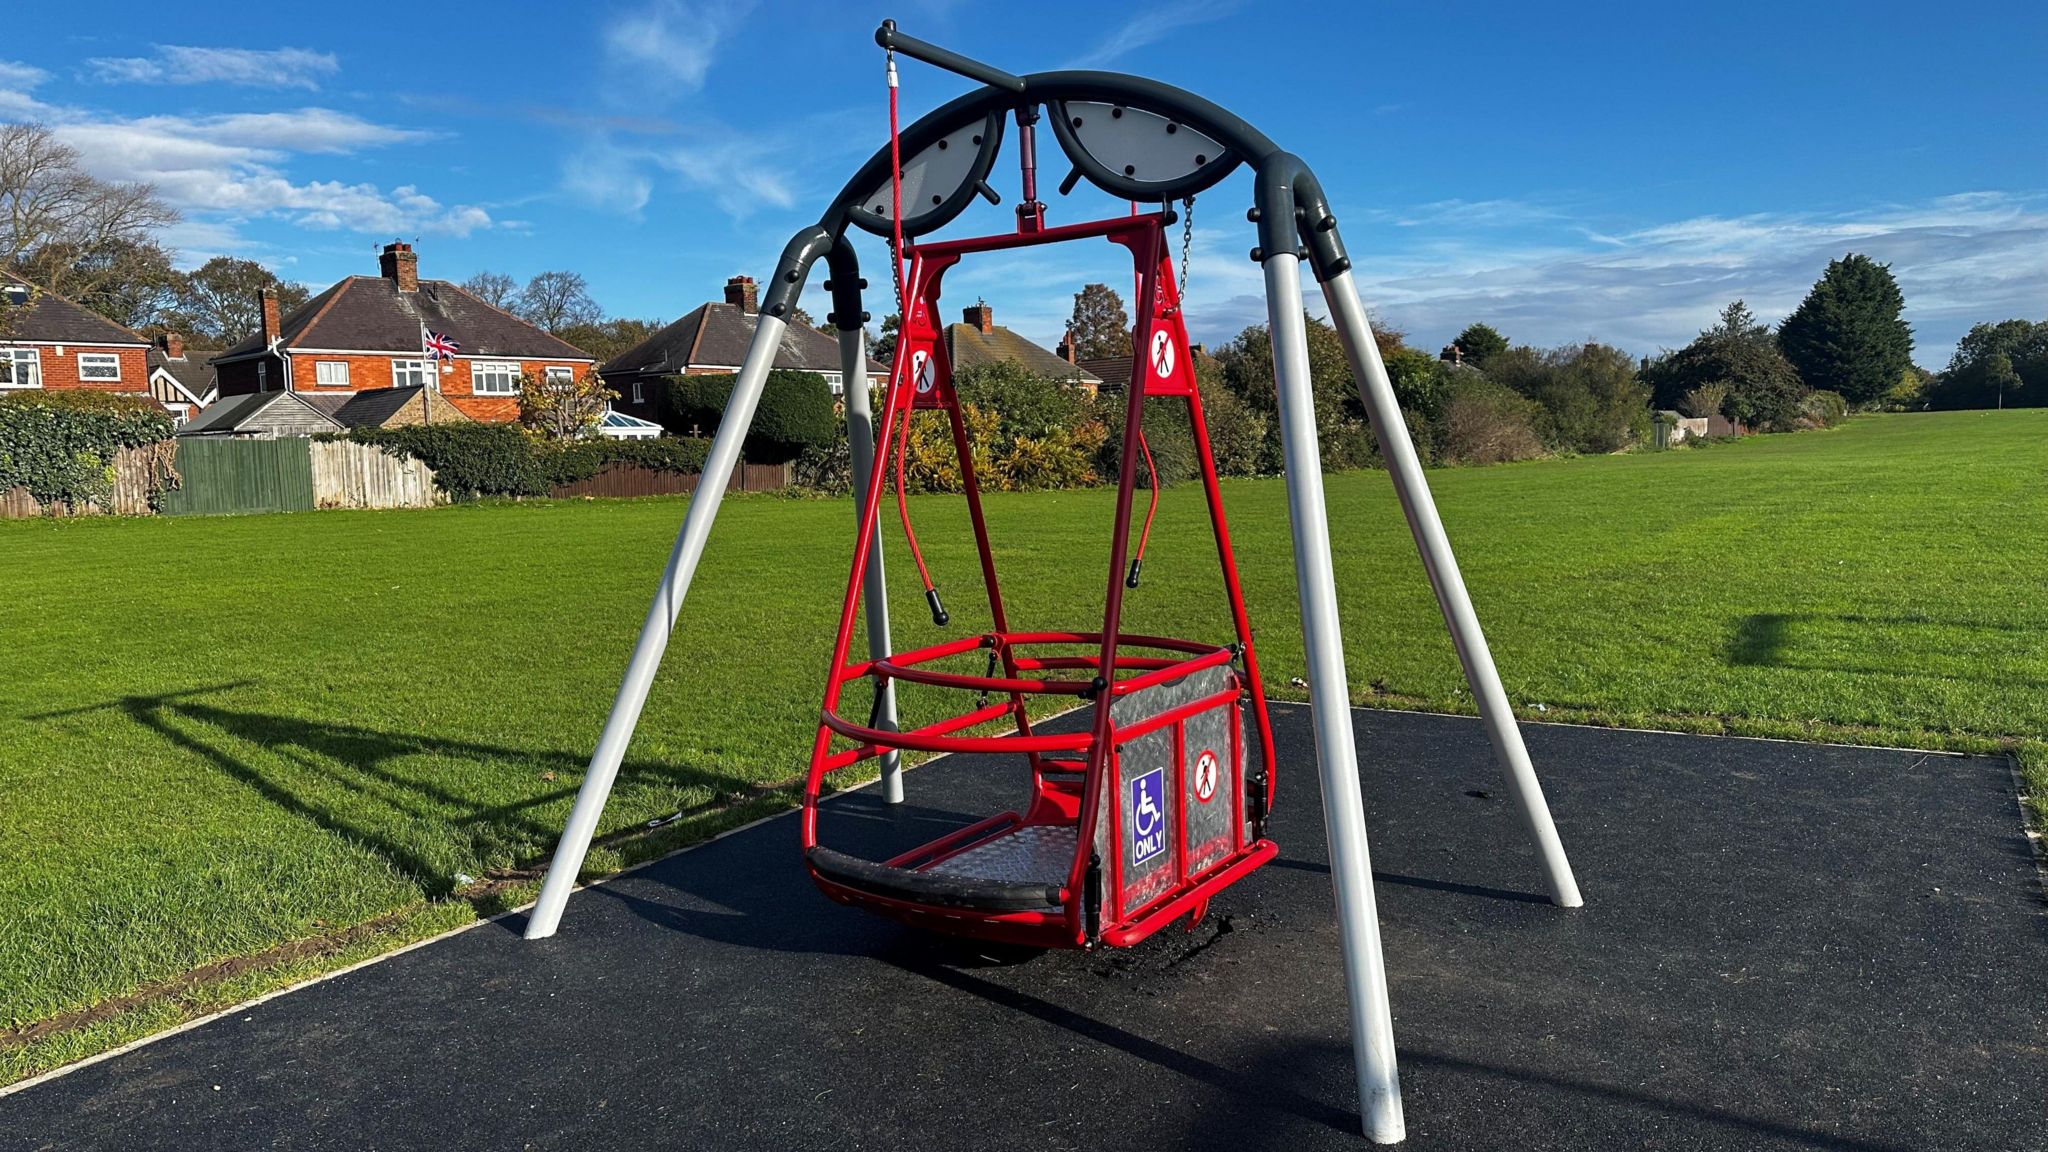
(238, 751)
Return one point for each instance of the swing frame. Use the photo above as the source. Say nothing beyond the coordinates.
(1089, 908)
(1295, 226)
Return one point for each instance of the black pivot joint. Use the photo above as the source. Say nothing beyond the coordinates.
(938, 607)
(1131, 580)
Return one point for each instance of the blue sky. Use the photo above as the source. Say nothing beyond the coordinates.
(1560, 171)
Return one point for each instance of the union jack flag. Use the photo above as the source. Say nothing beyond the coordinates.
(436, 346)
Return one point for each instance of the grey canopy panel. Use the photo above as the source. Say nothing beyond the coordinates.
(938, 179)
(1151, 156)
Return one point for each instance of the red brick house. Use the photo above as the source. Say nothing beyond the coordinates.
(47, 341)
(364, 333)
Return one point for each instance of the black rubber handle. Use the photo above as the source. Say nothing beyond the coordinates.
(888, 37)
(1131, 581)
(939, 617)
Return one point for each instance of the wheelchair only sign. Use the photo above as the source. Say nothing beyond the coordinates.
(1148, 815)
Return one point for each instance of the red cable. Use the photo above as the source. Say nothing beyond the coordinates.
(903, 501)
(1153, 509)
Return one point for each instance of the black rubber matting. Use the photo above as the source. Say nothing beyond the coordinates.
(1784, 946)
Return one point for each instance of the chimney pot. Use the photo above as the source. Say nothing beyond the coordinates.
(981, 316)
(741, 293)
(271, 326)
(401, 265)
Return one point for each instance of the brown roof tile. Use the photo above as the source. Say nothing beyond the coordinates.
(370, 314)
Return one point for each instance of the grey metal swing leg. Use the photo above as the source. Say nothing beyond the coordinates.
(1377, 391)
(654, 634)
(1358, 925)
(860, 436)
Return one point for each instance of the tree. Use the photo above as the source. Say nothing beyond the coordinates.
(72, 233)
(1591, 397)
(1100, 328)
(883, 347)
(562, 407)
(494, 288)
(220, 301)
(1996, 365)
(1759, 386)
(1341, 429)
(1480, 343)
(1850, 334)
(555, 300)
(608, 338)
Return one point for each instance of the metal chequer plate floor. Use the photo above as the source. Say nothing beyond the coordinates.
(1784, 946)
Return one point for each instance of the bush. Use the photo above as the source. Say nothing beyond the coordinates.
(1822, 409)
(60, 446)
(795, 413)
(1484, 423)
(471, 460)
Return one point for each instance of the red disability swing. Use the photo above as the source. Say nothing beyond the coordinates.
(1161, 802)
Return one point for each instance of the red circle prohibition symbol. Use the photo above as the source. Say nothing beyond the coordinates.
(1207, 768)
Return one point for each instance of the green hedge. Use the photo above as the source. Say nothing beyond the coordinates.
(795, 414)
(471, 460)
(61, 445)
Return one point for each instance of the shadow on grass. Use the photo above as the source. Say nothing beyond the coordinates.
(361, 761)
(1771, 640)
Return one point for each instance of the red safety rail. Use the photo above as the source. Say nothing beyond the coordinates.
(921, 379)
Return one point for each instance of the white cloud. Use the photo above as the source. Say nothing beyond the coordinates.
(225, 170)
(1151, 26)
(669, 43)
(20, 77)
(1544, 278)
(245, 67)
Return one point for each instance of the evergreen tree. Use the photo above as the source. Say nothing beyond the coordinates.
(1850, 335)
(1480, 343)
(1100, 327)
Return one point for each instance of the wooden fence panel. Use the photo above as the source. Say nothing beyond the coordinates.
(130, 496)
(348, 475)
(228, 476)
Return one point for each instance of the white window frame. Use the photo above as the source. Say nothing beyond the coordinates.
(562, 372)
(638, 396)
(16, 357)
(263, 375)
(99, 357)
(401, 369)
(321, 374)
(508, 370)
(834, 382)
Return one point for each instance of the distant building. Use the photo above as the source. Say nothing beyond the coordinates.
(713, 338)
(363, 334)
(182, 380)
(1115, 371)
(53, 343)
(978, 340)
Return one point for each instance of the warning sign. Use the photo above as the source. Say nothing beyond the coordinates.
(1162, 354)
(1207, 768)
(921, 371)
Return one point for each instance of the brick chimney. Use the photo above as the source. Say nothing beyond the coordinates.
(1066, 348)
(981, 316)
(741, 293)
(400, 265)
(172, 344)
(1452, 354)
(271, 326)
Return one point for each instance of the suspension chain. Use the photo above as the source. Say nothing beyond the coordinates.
(1187, 242)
